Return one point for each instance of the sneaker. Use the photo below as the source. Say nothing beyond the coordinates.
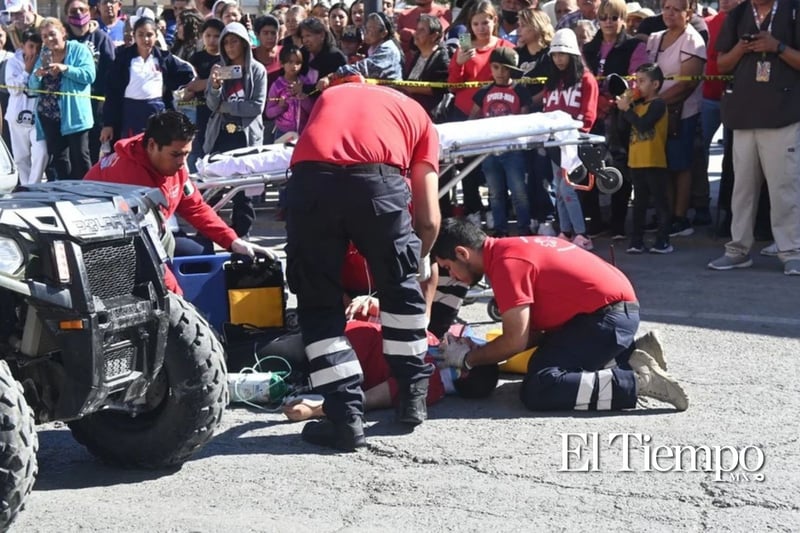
(346, 437)
(770, 251)
(546, 229)
(681, 227)
(636, 248)
(618, 237)
(662, 247)
(729, 262)
(792, 267)
(653, 382)
(651, 344)
(702, 217)
(584, 242)
(596, 229)
(474, 219)
(411, 406)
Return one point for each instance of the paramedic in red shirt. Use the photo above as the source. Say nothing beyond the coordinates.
(580, 311)
(157, 158)
(347, 185)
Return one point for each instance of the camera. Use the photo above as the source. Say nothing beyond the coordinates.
(230, 72)
(47, 58)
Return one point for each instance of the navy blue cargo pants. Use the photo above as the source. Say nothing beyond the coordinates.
(568, 369)
(327, 206)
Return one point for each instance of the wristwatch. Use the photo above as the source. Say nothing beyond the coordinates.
(781, 48)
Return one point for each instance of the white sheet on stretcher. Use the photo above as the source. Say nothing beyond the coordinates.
(252, 161)
(496, 132)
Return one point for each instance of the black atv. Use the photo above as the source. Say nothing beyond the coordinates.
(90, 335)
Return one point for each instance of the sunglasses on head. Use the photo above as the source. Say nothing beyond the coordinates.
(603, 18)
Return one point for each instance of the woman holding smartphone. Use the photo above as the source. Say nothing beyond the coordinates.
(141, 83)
(236, 94)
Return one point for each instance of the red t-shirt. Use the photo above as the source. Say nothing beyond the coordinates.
(579, 101)
(356, 123)
(476, 69)
(557, 279)
(367, 342)
(713, 89)
(500, 101)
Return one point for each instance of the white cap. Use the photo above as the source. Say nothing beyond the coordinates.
(566, 42)
(145, 12)
(15, 6)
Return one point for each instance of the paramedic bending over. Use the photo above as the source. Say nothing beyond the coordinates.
(349, 185)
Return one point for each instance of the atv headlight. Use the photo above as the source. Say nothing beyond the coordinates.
(11, 257)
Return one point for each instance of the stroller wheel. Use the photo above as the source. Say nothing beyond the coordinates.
(608, 180)
(493, 311)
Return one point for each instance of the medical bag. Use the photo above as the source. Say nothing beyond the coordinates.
(256, 293)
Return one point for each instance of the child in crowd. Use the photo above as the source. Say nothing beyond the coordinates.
(30, 153)
(507, 170)
(647, 158)
(571, 88)
(202, 62)
(288, 110)
(351, 44)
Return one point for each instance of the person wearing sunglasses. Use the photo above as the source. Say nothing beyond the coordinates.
(612, 51)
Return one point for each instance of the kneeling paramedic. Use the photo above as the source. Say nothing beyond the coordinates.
(580, 311)
(157, 158)
(348, 184)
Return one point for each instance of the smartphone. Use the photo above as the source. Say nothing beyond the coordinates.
(47, 58)
(748, 37)
(231, 72)
(465, 41)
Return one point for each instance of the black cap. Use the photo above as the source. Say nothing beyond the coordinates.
(505, 56)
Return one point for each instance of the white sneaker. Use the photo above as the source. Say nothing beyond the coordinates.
(583, 242)
(770, 251)
(653, 382)
(546, 229)
(651, 344)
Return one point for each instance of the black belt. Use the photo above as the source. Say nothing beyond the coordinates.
(618, 306)
(319, 166)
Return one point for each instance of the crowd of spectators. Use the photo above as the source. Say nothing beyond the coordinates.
(133, 65)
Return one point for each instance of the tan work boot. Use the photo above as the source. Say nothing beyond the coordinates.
(650, 343)
(653, 382)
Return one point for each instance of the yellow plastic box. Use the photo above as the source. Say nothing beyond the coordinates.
(517, 364)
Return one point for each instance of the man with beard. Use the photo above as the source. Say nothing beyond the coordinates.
(580, 312)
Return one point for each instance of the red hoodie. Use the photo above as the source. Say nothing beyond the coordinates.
(129, 164)
(579, 101)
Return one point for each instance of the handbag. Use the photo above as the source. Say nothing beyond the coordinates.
(441, 111)
(674, 112)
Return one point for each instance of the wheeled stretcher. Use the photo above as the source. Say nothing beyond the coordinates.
(251, 169)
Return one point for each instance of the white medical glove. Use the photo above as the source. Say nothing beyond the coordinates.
(242, 247)
(454, 353)
(424, 271)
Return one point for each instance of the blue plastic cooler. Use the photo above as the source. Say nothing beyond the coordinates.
(203, 282)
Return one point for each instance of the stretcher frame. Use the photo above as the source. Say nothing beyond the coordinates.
(587, 148)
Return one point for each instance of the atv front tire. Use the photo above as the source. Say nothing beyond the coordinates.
(193, 385)
(18, 447)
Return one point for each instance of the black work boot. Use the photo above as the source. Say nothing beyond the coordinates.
(344, 436)
(411, 407)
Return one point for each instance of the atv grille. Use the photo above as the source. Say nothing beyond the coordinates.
(119, 361)
(111, 269)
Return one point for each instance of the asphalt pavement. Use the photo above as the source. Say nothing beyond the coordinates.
(731, 338)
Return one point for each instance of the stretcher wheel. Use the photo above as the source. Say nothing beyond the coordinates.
(608, 180)
(292, 321)
(493, 311)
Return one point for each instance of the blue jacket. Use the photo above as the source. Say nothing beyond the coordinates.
(76, 111)
(176, 73)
